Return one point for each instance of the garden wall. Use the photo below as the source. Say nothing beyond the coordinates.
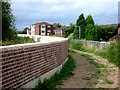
(95, 44)
(23, 63)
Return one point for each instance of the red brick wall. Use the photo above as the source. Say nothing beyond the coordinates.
(21, 64)
(37, 30)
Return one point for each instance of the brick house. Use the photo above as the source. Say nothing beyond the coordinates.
(58, 32)
(116, 37)
(42, 28)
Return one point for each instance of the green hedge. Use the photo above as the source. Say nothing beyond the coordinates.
(17, 40)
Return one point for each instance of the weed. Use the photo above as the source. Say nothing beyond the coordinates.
(87, 57)
(106, 81)
(112, 53)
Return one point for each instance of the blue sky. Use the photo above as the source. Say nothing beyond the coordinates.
(28, 12)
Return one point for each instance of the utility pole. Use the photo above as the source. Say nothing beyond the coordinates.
(79, 30)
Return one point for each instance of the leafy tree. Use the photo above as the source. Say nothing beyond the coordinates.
(8, 29)
(25, 30)
(68, 30)
(57, 25)
(90, 29)
(90, 32)
(76, 33)
(89, 20)
(107, 31)
(82, 23)
(98, 31)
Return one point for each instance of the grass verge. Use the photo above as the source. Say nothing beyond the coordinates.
(100, 68)
(112, 53)
(58, 78)
(17, 40)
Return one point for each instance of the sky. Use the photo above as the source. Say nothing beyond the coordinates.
(27, 12)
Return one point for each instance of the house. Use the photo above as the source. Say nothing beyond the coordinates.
(42, 28)
(58, 32)
(116, 37)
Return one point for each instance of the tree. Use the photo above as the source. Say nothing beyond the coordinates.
(8, 29)
(57, 25)
(68, 30)
(25, 30)
(90, 29)
(82, 23)
(90, 32)
(76, 33)
(89, 20)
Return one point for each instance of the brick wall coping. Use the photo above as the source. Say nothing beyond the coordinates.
(39, 38)
(37, 43)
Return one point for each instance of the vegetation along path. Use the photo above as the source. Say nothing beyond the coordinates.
(91, 72)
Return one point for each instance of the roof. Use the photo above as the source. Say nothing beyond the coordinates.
(59, 29)
(116, 37)
(40, 23)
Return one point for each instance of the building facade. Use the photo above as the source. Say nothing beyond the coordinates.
(58, 32)
(42, 28)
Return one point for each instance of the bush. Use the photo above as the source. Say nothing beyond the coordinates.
(17, 40)
(77, 46)
(113, 53)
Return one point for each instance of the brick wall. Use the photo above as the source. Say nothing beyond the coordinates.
(37, 30)
(23, 63)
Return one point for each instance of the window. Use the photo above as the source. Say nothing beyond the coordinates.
(48, 30)
(43, 31)
(43, 26)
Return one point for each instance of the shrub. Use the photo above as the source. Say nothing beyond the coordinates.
(113, 52)
(17, 40)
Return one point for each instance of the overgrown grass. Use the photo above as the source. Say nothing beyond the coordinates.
(17, 40)
(112, 53)
(57, 79)
(88, 57)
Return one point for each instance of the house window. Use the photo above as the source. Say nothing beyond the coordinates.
(43, 31)
(43, 26)
(48, 30)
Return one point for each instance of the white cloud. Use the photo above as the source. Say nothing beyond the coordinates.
(58, 8)
(63, 10)
(58, 1)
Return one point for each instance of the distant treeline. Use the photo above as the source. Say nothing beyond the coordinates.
(89, 30)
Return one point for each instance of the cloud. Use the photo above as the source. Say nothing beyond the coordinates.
(29, 12)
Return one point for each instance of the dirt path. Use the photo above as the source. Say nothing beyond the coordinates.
(86, 75)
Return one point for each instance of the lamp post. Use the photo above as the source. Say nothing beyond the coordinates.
(79, 30)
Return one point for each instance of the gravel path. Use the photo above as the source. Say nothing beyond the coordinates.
(85, 75)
